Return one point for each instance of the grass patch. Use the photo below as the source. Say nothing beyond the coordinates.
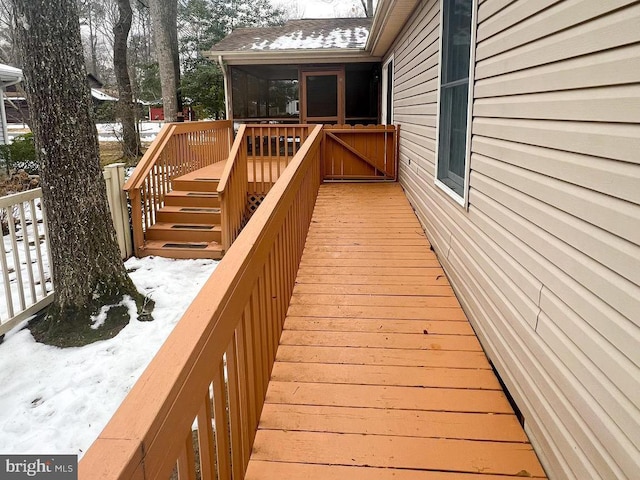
(111, 152)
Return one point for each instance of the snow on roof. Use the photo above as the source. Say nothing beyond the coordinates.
(100, 95)
(349, 33)
(95, 93)
(9, 75)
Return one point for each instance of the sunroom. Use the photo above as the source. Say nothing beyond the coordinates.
(306, 71)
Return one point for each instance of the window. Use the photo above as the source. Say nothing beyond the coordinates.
(265, 92)
(387, 92)
(362, 90)
(455, 69)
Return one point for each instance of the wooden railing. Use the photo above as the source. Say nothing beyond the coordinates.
(215, 366)
(24, 257)
(232, 190)
(270, 148)
(179, 148)
(259, 155)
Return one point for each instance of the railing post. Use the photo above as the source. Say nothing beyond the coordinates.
(114, 177)
(224, 220)
(136, 220)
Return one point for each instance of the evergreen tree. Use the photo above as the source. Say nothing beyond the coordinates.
(202, 24)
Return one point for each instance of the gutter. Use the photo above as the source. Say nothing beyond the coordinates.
(383, 8)
(290, 56)
(227, 98)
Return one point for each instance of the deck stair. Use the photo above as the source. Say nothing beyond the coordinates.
(188, 225)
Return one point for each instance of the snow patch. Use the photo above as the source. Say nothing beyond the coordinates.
(58, 400)
(337, 38)
(98, 320)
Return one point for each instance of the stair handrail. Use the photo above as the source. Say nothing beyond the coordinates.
(146, 163)
(232, 190)
(178, 149)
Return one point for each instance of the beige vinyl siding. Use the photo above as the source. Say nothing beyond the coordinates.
(546, 260)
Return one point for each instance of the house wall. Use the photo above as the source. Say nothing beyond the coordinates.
(546, 260)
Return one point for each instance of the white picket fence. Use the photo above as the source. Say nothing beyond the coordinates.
(24, 256)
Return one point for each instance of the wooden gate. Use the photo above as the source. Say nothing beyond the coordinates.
(360, 153)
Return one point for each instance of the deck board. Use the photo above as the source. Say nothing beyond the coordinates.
(378, 374)
(214, 172)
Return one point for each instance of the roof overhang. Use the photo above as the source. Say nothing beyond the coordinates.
(100, 95)
(390, 18)
(9, 75)
(291, 56)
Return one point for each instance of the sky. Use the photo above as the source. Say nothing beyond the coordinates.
(321, 8)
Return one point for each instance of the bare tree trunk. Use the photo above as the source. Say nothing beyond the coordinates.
(127, 109)
(93, 42)
(87, 270)
(164, 23)
(368, 7)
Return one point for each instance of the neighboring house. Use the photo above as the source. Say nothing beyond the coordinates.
(321, 64)
(8, 76)
(520, 152)
(17, 110)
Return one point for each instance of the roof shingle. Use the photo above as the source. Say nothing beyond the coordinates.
(326, 33)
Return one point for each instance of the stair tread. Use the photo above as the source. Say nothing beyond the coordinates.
(196, 185)
(212, 171)
(167, 244)
(173, 249)
(186, 226)
(185, 209)
(190, 193)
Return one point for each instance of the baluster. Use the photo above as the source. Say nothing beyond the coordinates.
(186, 460)
(246, 351)
(27, 251)
(38, 247)
(16, 259)
(257, 349)
(5, 267)
(235, 412)
(221, 422)
(206, 444)
(266, 279)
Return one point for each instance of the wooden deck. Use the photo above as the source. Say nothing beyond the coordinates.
(257, 171)
(378, 374)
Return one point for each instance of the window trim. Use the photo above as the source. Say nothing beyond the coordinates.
(463, 201)
(385, 90)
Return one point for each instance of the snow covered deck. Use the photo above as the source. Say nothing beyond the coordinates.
(378, 374)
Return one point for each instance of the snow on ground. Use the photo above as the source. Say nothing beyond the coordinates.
(112, 132)
(107, 132)
(56, 400)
